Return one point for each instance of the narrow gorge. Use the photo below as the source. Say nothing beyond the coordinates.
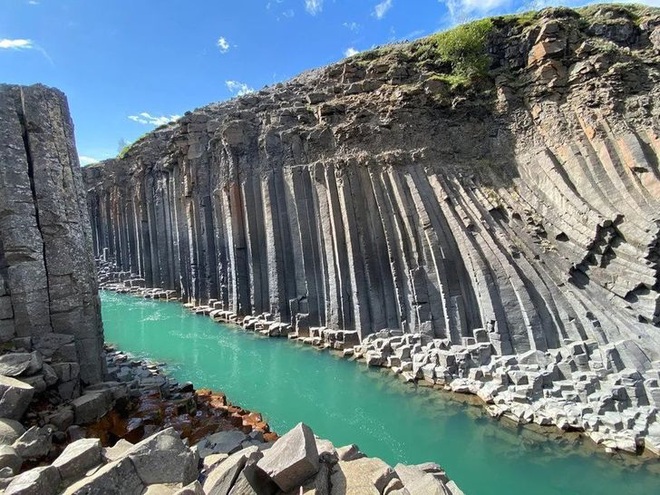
(494, 201)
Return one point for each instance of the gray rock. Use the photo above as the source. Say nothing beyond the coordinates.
(222, 477)
(292, 459)
(119, 450)
(91, 407)
(164, 458)
(37, 481)
(78, 458)
(10, 431)
(194, 488)
(15, 397)
(35, 443)
(115, 478)
(224, 442)
(357, 476)
(9, 458)
(14, 364)
(349, 453)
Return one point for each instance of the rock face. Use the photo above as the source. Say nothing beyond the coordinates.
(521, 212)
(48, 289)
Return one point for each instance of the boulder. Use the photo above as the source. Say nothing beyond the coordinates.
(292, 459)
(253, 481)
(224, 475)
(349, 453)
(38, 481)
(9, 458)
(119, 450)
(164, 458)
(194, 488)
(117, 478)
(10, 431)
(78, 458)
(419, 482)
(15, 396)
(15, 363)
(224, 442)
(35, 443)
(360, 476)
(91, 407)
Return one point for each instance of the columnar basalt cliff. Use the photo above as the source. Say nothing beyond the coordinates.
(48, 290)
(518, 211)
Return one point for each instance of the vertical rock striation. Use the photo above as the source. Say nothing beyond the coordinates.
(369, 195)
(48, 288)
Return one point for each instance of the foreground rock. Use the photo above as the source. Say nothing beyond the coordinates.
(163, 464)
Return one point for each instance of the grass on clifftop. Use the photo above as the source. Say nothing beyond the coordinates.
(463, 48)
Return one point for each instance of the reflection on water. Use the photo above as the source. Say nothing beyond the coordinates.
(350, 403)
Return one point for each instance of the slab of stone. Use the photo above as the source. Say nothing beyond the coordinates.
(357, 477)
(35, 443)
(224, 442)
(37, 481)
(15, 363)
(119, 450)
(10, 431)
(15, 396)
(116, 478)
(164, 458)
(9, 458)
(194, 488)
(91, 407)
(253, 481)
(222, 477)
(349, 453)
(78, 458)
(292, 459)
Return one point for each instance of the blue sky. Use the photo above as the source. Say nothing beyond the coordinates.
(129, 65)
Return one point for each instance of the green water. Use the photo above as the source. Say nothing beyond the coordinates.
(349, 403)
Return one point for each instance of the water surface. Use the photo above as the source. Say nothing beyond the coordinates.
(349, 403)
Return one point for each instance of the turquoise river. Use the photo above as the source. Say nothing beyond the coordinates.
(349, 403)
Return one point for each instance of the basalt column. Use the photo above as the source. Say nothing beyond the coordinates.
(48, 289)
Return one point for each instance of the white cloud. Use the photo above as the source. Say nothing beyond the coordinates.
(381, 9)
(223, 44)
(238, 88)
(352, 26)
(462, 10)
(314, 6)
(17, 44)
(87, 160)
(147, 119)
(349, 52)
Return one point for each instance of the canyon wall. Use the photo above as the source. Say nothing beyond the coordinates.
(372, 194)
(48, 290)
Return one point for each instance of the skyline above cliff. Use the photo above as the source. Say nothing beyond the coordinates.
(128, 68)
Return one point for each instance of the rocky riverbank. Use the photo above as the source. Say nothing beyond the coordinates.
(143, 433)
(581, 387)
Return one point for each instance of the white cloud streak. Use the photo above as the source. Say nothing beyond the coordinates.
(382, 8)
(148, 119)
(87, 160)
(314, 7)
(17, 44)
(349, 52)
(238, 88)
(222, 44)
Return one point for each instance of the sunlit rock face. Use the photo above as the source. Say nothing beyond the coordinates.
(372, 195)
(48, 290)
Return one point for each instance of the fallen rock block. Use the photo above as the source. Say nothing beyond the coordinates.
(37, 481)
(78, 458)
(15, 396)
(35, 443)
(164, 458)
(360, 476)
(224, 475)
(10, 431)
(117, 478)
(91, 407)
(9, 458)
(292, 459)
